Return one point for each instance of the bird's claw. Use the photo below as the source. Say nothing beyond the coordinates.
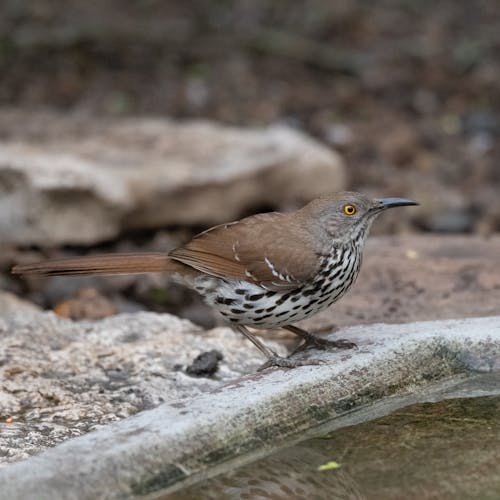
(280, 362)
(314, 342)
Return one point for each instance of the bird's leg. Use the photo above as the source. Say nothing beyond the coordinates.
(273, 359)
(268, 353)
(311, 341)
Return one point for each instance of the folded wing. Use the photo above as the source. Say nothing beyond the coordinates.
(270, 250)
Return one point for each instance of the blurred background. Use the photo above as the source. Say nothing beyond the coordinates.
(406, 92)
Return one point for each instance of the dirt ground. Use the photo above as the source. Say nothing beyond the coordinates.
(407, 91)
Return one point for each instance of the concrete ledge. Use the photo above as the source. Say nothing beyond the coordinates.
(158, 451)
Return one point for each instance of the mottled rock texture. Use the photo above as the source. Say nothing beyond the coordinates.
(60, 379)
(184, 440)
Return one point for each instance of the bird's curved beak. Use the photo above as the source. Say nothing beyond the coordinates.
(385, 203)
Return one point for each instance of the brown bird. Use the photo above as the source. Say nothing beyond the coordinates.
(265, 271)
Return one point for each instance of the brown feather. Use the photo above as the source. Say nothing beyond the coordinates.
(273, 250)
(102, 264)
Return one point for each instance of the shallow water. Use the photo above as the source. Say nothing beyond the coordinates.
(444, 450)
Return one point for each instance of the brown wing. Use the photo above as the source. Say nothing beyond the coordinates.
(271, 250)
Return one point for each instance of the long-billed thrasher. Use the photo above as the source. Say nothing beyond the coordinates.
(264, 271)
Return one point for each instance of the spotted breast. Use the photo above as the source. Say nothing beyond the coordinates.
(245, 303)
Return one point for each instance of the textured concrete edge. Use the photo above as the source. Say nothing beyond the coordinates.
(163, 449)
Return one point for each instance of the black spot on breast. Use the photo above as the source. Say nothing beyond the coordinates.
(240, 291)
(282, 313)
(336, 262)
(326, 288)
(283, 298)
(272, 308)
(270, 294)
(333, 293)
(294, 299)
(259, 318)
(224, 300)
(233, 320)
(224, 313)
(337, 295)
(255, 296)
(319, 284)
(295, 307)
(337, 273)
(248, 306)
(311, 291)
(237, 311)
(259, 311)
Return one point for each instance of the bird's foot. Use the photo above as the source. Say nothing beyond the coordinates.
(310, 341)
(313, 342)
(280, 362)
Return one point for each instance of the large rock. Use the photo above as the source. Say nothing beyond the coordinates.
(71, 179)
(60, 379)
(177, 443)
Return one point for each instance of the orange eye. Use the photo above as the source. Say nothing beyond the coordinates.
(349, 209)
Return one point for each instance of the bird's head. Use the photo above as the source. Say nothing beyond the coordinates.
(349, 215)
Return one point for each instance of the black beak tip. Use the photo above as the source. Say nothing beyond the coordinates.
(396, 202)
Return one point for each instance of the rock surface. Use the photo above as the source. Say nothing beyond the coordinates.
(158, 451)
(425, 450)
(73, 179)
(60, 379)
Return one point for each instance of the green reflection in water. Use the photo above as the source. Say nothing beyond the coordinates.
(445, 450)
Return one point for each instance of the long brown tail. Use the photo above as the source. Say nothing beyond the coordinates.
(102, 264)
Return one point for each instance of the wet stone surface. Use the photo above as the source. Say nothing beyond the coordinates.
(444, 450)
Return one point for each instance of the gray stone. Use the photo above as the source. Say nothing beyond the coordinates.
(74, 179)
(60, 379)
(182, 441)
